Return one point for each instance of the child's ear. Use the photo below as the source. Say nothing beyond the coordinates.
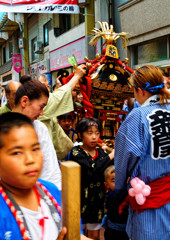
(106, 185)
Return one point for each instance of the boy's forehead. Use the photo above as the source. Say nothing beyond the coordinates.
(18, 137)
(111, 174)
(66, 119)
(13, 130)
(92, 127)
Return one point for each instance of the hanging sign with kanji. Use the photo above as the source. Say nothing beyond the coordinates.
(39, 6)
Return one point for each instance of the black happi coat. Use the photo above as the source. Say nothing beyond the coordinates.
(92, 183)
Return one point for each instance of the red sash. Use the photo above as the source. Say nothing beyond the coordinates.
(160, 195)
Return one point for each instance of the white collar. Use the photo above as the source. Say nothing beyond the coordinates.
(151, 101)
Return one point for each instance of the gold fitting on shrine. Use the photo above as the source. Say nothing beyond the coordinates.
(89, 65)
(126, 60)
(98, 56)
(86, 59)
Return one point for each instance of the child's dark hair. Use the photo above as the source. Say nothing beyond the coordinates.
(65, 116)
(85, 123)
(10, 120)
(33, 89)
(78, 93)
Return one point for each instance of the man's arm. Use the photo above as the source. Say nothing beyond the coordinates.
(60, 101)
(79, 73)
(62, 143)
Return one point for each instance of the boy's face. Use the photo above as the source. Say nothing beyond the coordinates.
(90, 137)
(66, 124)
(20, 158)
(110, 182)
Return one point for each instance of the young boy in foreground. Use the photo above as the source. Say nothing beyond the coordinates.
(30, 209)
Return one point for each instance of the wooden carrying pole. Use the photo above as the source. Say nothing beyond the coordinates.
(71, 199)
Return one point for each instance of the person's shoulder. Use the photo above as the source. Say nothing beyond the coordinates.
(76, 148)
(136, 104)
(41, 129)
(76, 152)
(38, 124)
(101, 151)
(1, 109)
(135, 113)
(73, 130)
(116, 194)
(52, 188)
(48, 184)
(134, 119)
(65, 87)
(4, 109)
(110, 193)
(143, 111)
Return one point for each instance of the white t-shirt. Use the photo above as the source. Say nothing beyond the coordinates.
(51, 170)
(32, 219)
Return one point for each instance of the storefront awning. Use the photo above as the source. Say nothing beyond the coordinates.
(3, 18)
(6, 67)
(6, 24)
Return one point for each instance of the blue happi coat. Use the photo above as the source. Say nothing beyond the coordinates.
(9, 229)
(142, 149)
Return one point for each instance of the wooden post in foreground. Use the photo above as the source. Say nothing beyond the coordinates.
(71, 199)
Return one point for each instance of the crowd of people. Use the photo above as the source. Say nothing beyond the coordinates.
(40, 128)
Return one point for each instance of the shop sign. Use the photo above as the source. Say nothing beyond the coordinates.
(42, 66)
(59, 57)
(40, 6)
(39, 67)
(21, 42)
(17, 62)
(33, 69)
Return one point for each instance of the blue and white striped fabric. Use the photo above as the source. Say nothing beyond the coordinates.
(142, 149)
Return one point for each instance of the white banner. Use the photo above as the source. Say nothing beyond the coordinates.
(39, 6)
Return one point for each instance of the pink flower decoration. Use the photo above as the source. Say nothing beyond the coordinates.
(139, 190)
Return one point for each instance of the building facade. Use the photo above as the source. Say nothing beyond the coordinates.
(148, 25)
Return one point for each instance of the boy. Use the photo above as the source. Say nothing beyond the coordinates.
(30, 209)
(93, 161)
(113, 222)
(66, 122)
